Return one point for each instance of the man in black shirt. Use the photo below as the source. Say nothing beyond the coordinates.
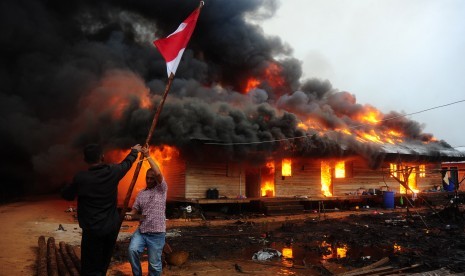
(96, 190)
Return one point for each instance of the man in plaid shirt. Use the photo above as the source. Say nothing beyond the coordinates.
(151, 203)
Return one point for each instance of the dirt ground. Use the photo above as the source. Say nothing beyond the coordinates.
(329, 243)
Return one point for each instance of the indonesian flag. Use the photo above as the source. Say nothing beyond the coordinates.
(172, 47)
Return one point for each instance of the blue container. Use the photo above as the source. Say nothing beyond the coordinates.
(450, 187)
(388, 200)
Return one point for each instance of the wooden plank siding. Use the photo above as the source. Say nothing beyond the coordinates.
(363, 178)
(203, 175)
(174, 171)
(191, 179)
(305, 179)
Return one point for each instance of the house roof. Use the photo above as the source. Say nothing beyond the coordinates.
(425, 149)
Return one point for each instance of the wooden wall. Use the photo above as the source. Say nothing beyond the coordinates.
(174, 171)
(363, 178)
(432, 177)
(306, 178)
(203, 175)
(192, 179)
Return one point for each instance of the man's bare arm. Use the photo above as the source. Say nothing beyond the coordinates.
(153, 164)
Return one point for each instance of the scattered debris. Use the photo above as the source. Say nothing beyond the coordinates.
(266, 254)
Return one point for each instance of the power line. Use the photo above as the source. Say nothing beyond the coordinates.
(351, 127)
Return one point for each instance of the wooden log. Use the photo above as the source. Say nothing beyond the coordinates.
(42, 259)
(67, 260)
(51, 257)
(74, 257)
(62, 269)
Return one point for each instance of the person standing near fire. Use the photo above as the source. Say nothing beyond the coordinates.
(151, 204)
(96, 190)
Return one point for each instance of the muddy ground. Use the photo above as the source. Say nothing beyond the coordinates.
(333, 242)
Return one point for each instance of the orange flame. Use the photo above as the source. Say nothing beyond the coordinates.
(287, 253)
(267, 185)
(160, 154)
(341, 251)
(267, 189)
(326, 178)
(252, 83)
(334, 251)
(286, 169)
(340, 170)
(396, 170)
(271, 75)
(371, 116)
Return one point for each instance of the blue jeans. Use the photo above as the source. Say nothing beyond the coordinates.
(154, 242)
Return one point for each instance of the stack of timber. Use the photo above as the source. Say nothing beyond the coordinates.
(282, 207)
(56, 260)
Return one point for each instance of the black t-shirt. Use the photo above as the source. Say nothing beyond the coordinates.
(97, 192)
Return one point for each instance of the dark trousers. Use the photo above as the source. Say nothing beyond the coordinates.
(96, 252)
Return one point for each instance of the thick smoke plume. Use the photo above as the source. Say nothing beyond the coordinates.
(75, 72)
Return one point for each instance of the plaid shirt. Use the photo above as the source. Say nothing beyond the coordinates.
(152, 204)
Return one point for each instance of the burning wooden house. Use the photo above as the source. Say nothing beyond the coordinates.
(312, 143)
(282, 172)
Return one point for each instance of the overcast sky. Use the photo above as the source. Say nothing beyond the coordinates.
(401, 55)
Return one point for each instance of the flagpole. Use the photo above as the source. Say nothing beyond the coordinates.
(152, 128)
(141, 157)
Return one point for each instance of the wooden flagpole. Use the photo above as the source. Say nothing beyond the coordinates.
(141, 157)
(149, 137)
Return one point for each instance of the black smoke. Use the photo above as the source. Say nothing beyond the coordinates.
(63, 62)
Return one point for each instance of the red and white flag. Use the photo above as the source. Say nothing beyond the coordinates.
(172, 47)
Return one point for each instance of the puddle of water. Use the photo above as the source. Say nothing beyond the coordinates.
(314, 253)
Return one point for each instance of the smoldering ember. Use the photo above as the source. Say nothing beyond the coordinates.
(257, 159)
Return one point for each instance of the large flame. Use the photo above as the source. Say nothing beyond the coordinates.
(272, 76)
(370, 115)
(252, 83)
(340, 169)
(286, 169)
(161, 155)
(326, 178)
(267, 180)
(366, 126)
(398, 170)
